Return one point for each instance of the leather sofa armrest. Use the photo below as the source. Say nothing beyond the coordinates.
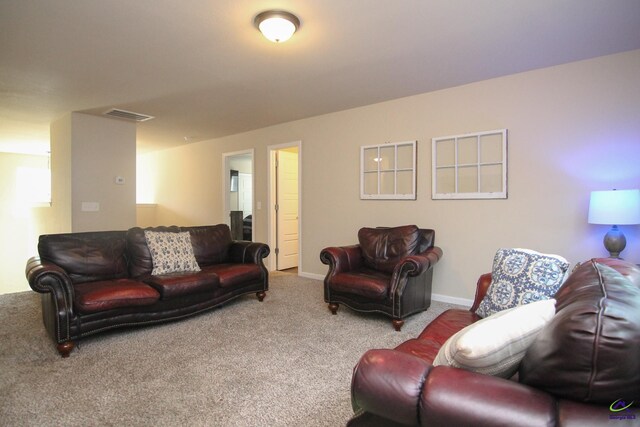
(244, 252)
(452, 396)
(406, 389)
(388, 383)
(341, 259)
(45, 277)
(481, 290)
(415, 265)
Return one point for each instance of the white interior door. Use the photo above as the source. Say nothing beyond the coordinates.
(287, 212)
(245, 194)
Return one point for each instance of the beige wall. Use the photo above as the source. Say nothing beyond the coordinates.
(572, 129)
(101, 149)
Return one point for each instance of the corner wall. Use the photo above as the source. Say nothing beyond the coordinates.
(573, 128)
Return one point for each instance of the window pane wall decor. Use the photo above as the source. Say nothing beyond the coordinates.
(388, 171)
(470, 166)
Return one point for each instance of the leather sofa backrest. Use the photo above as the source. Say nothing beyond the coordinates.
(590, 351)
(140, 261)
(210, 243)
(86, 257)
(382, 248)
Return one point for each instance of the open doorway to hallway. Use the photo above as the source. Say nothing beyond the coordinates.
(285, 206)
(237, 193)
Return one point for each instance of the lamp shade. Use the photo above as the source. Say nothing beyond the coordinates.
(615, 207)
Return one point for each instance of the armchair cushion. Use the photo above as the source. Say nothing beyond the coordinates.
(521, 276)
(496, 344)
(382, 248)
(364, 282)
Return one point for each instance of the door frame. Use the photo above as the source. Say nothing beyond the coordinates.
(226, 182)
(271, 202)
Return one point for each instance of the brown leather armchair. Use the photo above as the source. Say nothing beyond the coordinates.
(389, 271)
(580, 368)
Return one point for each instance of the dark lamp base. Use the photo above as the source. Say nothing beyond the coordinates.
(615, 242)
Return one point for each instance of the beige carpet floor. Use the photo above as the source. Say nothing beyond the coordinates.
(283, 362)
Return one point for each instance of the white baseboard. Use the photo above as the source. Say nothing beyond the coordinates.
(313, 276)
(452, 300)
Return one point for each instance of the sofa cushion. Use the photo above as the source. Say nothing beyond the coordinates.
(140, 261)
(590, 351)
(364, 282)
(91, 297)
(382, 248)
(496, 344)
(86, 257)
(210, 243)
(184, 283)
(171, 252)
(232, 275)
(521, 276)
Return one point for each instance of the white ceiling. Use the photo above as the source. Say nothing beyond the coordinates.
(204, 71)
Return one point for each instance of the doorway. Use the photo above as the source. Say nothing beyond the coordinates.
(285, 204)
(237, 193)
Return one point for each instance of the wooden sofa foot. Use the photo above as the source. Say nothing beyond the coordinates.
(397, 324)
(334, 308)
(64, 348)
(261, 295)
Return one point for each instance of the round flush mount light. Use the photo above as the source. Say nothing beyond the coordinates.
(277, 25)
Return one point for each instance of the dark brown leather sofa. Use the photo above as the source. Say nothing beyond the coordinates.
(390, 271)
(585, 362)
(97, 281)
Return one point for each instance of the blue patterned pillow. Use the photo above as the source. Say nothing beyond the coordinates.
(521, 276)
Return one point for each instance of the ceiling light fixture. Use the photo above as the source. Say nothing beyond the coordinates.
(277, 25)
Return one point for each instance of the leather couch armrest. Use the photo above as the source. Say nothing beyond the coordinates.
(45, 277)
(388, 383)
(452, 396)
(481, 290)
(341, 259)
(415, 265)
(406, 389)
(244, 252)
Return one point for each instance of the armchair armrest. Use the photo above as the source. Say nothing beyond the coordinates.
(415, 265)
(244, 252)
(341, 259)
(407, 390)
(481, 290)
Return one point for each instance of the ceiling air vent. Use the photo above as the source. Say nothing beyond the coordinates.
(128, 115)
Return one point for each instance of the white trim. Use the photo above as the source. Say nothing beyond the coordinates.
(271, 149)
(452, 300)
(313, 276)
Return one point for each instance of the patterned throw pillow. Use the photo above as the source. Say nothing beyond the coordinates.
(495, 345)
(521, 276)
(171, 252)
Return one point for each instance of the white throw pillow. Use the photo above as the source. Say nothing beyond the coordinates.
(495, 345)
(521, 276)
(171, 252)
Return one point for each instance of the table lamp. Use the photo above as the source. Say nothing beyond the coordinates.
(615, 207)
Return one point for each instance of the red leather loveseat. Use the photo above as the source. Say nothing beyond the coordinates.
(582, 369)
(96, 281)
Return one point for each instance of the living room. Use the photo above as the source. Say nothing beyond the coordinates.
(572, 124)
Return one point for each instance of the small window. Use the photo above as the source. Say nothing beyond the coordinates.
(388, 171)
(33, 186)
(470, 166)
